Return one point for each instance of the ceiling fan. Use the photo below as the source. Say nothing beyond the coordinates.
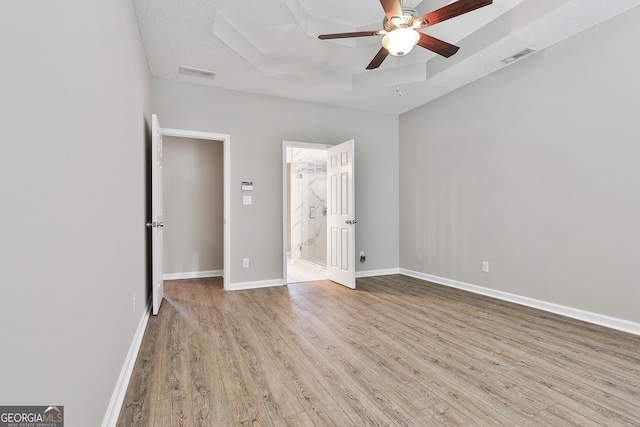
(401, 29)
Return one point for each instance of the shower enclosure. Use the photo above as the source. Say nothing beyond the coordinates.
(308, 205)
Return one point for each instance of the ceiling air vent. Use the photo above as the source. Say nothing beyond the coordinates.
(521, 54)
(197, 72)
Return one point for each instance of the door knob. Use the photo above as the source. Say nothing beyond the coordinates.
(349, 221)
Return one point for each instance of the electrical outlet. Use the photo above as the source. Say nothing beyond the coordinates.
(134, 301)
(245, 262)
(362, 257)
(485, 267)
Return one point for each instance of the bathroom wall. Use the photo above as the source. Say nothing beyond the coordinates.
(308, 178)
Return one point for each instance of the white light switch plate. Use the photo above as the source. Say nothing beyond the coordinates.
(246, 200)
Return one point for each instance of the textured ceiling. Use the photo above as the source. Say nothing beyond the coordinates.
(271, 46)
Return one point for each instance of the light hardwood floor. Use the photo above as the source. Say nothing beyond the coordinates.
(396, 351)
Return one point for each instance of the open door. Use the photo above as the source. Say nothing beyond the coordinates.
(340, 215)
(156, 223)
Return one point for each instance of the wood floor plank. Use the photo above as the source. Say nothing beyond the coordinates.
(373, 385)
(209, 404)
(443, 415)
(397, 351)
(559, 415)
(550, 352)
(504, 399)
(321, 400)
(137, 410)
(342, 402)
(297, 378)
(472, 375)
(298, 420)
(274, 394)
(528, 322)
(162, 413)
(384, 355)
(249, 411)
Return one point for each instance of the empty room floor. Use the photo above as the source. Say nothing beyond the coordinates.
(301, 270)
(396, 351)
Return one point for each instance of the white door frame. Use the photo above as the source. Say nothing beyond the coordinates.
(285, 213)
(226, 153)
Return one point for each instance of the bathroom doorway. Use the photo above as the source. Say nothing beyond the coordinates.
(305, 211)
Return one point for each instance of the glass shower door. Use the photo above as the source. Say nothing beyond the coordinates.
(314, 213)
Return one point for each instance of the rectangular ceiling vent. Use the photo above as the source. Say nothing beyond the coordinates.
(197, 72)
(519, 55)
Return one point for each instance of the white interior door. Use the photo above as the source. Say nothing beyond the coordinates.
(340, 215)
(156, 223)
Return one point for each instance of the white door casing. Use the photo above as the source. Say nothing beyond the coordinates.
(226, 149)
(341, 215)
(157, 223)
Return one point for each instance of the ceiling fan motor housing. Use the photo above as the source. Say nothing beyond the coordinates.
(408, 20)
(402, 33)
(406, 12)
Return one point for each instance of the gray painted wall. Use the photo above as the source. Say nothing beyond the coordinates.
(534, 169)
(193, 179)
(258, 125)
(75, 93)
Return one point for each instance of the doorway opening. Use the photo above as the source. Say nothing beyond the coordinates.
(226, 172)
(305, 211)
(193, 208)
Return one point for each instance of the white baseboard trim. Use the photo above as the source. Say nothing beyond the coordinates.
(255, 285)
(574, 313)
(192, 275)
(115, 405)
(280, 282)
(371, 273)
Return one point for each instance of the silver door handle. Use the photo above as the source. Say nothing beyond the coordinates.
(154, 224)
(349, 221)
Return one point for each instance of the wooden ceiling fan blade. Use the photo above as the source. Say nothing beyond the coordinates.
(392, 8)
(348, 35)
(436, 45)
(377, 60)
(454, 9)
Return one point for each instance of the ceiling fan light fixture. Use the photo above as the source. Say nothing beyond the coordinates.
(399, 42)
(402, 25)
